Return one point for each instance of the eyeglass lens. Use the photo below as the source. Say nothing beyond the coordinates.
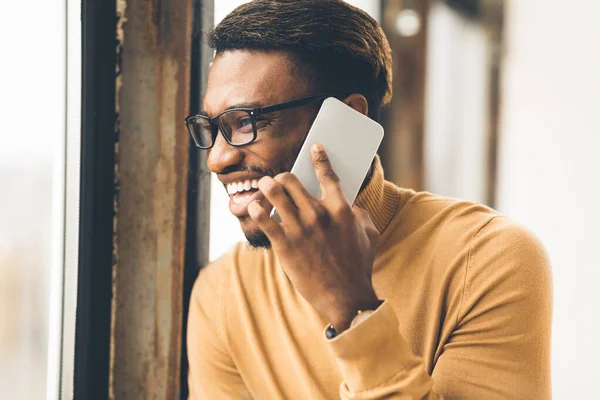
(237, 127)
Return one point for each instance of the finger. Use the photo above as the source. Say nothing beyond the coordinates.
(311, 212)
(277, 196)
(299, 195)
(328, 179)
(272, 229)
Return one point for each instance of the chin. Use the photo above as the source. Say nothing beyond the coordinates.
(256, 238)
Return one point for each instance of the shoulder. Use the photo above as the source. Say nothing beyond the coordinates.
(454, 212)
(477, 245)
(446, 223)
(510, 237)
(504, 253)
(484, 232)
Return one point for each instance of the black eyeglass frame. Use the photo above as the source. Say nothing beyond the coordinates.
(253, 113)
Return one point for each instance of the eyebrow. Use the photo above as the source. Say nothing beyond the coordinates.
(254, 104)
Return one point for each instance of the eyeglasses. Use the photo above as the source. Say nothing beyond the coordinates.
(239, 125)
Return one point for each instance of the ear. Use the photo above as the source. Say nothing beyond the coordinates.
(358, 102)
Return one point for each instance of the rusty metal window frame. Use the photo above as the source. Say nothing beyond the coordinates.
(90, 373)
(84, 335)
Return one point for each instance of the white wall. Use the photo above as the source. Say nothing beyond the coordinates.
(549, 176)
(225, 229)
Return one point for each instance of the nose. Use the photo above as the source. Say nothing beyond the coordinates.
(223, 155)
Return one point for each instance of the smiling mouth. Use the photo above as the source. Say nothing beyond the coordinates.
(241, 193)
(242, 186)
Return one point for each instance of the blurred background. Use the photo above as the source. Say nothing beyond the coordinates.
(494, 101)
(33, 108)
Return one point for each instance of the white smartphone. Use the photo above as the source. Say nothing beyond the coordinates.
(350, 139)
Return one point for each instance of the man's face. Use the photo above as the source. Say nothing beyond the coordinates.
(252, 79)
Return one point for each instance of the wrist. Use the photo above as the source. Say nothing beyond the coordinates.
(343, 318)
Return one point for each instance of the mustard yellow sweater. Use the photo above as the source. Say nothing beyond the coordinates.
(467, 314)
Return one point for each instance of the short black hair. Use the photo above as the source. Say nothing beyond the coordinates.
(340, 48)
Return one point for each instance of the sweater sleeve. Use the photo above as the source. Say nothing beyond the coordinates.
(500, 344)
(212, 373)
(376, 362)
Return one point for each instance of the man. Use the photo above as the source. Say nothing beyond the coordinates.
(403, 295)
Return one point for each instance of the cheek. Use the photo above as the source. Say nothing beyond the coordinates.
(279, 152)
(288, 153)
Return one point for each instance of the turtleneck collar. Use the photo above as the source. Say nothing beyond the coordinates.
(379, 198)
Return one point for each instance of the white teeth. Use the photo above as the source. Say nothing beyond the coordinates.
(240, 186)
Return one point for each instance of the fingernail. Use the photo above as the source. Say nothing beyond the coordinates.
(266, 180)
(317, 148)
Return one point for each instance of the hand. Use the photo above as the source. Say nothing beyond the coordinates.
(326, 246)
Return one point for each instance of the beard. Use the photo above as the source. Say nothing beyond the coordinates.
(256, 238)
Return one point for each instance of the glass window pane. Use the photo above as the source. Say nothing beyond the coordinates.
(32, 131)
